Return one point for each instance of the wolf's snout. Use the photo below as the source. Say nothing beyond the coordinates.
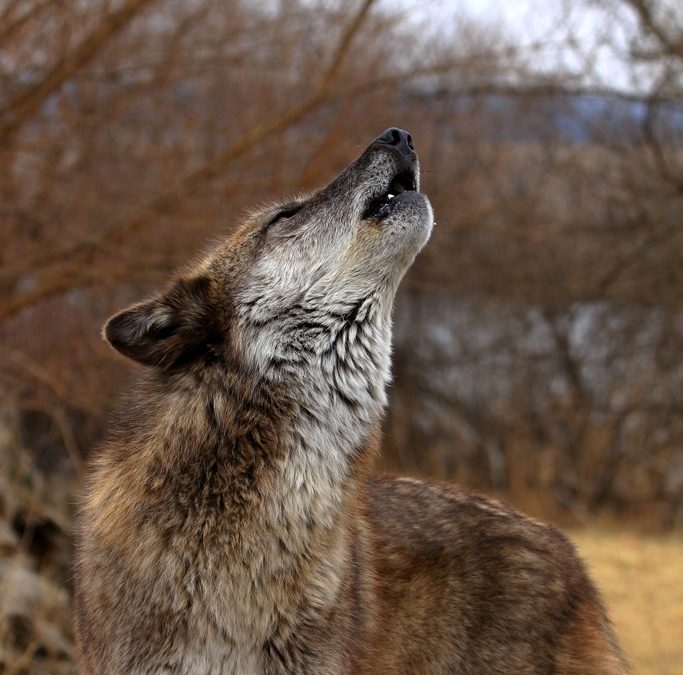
(398, 138)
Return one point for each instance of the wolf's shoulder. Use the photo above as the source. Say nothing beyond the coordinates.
(429, 515)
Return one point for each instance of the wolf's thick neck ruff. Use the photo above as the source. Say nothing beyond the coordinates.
(268, 462)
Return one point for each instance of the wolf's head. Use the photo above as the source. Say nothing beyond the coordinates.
(299, 281)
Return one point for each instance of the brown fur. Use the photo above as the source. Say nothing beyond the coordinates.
(197, 555)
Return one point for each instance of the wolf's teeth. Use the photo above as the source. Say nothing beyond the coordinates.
(390, 196)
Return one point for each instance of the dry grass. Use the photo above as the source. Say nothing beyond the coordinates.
(641, 579)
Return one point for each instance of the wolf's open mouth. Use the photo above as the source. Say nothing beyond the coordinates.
(381, 206)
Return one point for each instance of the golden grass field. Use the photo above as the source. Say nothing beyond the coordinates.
(641, 579)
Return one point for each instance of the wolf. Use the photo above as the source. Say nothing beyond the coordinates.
(232, 522)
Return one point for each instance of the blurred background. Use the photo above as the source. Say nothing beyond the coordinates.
(539, 336)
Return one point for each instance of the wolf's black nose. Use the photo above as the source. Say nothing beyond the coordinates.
(399, 138)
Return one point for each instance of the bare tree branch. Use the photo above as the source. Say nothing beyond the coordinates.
(9, 24)
(24, 106)
(644, 10)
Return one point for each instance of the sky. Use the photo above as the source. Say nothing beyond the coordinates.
(530, 21)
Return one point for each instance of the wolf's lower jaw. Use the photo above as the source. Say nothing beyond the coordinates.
(378, 208)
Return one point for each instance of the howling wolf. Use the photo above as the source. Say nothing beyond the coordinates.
(231, 522)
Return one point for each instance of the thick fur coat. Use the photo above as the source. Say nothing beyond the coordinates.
(231, 522)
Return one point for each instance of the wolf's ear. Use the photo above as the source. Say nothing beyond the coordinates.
(175, 327)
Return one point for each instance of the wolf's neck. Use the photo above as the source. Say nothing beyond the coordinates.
(273, 466)
(333, 366)
(334, 358)
(336, 365)
(297, 427)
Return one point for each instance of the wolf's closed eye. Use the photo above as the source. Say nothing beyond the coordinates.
(280, 226)
(287, 212)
